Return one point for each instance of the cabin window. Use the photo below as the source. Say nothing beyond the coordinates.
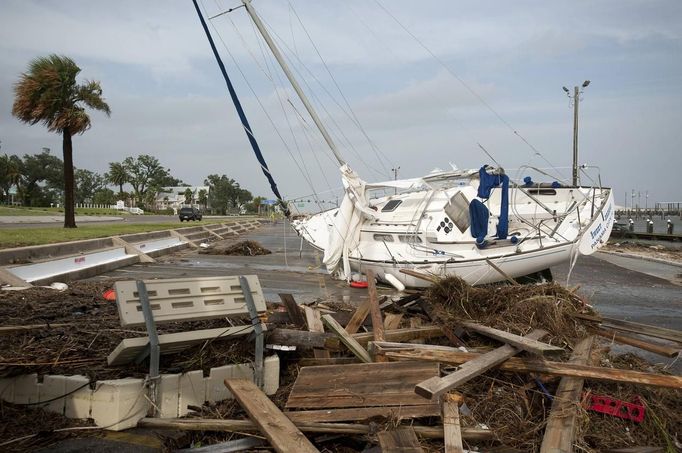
(391, 206)
(410, 238)
(542, 191)
(383, 237)
(457, 211)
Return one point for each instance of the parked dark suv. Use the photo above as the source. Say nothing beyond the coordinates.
(189, 214)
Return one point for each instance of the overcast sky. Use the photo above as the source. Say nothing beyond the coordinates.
(168, 98)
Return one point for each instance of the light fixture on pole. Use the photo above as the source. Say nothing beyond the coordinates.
(577, 91)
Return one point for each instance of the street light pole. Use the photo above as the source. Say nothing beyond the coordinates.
(576, 103)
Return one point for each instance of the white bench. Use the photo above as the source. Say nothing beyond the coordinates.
(184, 299)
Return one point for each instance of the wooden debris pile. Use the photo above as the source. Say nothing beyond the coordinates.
(242, 248)
(452, 369)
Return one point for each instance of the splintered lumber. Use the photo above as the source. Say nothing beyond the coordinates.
(400, 335)
(452, 431)
(364, 413)
(392, 321)
(524, 365)
(360, 385)
(400, 440)
(310, 361)
(304, 340)
(346, 339)
(437, 385)
(560, 430)
(198, 424)
(453, 336)
(279, 430)
(377, 322)
(519, 342)
(313, 319)
(359, 316)
(656, 348)
(293, 310)
(420, 275)
(635, 327)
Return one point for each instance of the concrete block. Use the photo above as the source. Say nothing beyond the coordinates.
(215, 385)
(168, 395)
(25, 389)
(53, 387)
(192, 391)
(77, 404)
(271, 374)
(119, 404)
(7, 389)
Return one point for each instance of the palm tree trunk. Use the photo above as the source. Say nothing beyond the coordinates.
(69, 211)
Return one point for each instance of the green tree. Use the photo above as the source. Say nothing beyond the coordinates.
(42, 179)
(146, 172)
(10, 174)
(117, 175)
(189, 195)
(49, 94)
(87, 183)
(104, 196)
(202, 198)
(225, 193)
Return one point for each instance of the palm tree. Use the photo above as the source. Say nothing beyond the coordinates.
(118, 175)
(48, 94)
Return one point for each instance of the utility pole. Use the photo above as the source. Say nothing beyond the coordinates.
(576, 103)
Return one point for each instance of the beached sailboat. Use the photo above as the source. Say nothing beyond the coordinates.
(476, 224)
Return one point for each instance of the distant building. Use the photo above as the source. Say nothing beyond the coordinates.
(174, 197)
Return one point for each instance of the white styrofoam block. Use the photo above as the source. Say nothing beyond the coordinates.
(25, 389)
(168, 394)
(271, 374)
(215, 382)
(192, 391)
(77, 404)
(7, 389)
(119, 404)
(53, 387)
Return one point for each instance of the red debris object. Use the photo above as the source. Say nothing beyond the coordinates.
(606, 405)
(109, 294)
(358, 284)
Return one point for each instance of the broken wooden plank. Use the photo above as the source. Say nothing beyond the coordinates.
(310, 361)
(392, 321)
(430, 432)
(635, 327)
(293, 310)
(313, 319)
(420, 275)
(358, 318)
(402, 334)
(401, 412)
(519, 342)
(561, 424)
(303, 340)
(501, 272)
(360, 385)
(377, 322)
(656, 348)
(437, 385)
(452, 431)
(279, 430)
(524, 365)
(399, 440)
(10, 330)
(346, 339)
(453, 336)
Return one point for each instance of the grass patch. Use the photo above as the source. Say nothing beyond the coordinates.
(22, 210)
(20, 237)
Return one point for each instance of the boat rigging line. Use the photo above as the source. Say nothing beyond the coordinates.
(242, 115)
(464, 84)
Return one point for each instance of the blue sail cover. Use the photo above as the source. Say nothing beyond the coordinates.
(478, 219)
(488, 182)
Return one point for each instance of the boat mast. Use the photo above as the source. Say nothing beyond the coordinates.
(292, 80)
